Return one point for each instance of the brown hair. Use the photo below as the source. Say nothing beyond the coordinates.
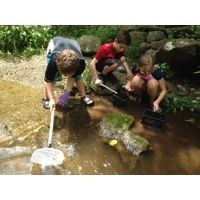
(124, 38)
(67, 62)
(146, 60)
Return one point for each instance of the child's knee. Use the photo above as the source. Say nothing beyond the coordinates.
(152, 84)
(137, 83)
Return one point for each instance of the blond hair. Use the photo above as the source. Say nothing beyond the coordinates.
(146, 60)
(67, 62)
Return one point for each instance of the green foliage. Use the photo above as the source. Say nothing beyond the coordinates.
(71, 31)
(119, 120)
(23, 39)
(29, 40)
(133, 52)
(174, 102)
(170, 35)
(87, 77)
(106, 33)
(165, 68)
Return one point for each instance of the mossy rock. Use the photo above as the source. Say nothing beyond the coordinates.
(115, 126)
(118, 120)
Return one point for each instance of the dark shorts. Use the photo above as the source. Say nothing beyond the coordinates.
(102, 63)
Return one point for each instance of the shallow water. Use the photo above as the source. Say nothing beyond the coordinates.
(174, 150)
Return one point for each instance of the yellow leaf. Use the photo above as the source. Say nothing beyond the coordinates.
(113, 142)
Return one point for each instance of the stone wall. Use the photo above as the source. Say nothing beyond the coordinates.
(179, 46)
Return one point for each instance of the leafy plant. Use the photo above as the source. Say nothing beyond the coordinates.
(22, 39)
(133, 52)
(30, 40)
(174, 102)
(165, 68)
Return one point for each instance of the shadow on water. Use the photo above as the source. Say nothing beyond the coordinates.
(175, 148)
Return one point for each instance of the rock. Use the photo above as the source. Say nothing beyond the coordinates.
(138, 36)
(144, 46)
(115, 132)
(6, 153)
(182, 55)
(116, 126)
(155, 36)
(89, 44)
(157, 44)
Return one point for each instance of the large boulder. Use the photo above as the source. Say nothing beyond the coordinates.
(115, 131)
(183, 55)
(116, 126)
(89, 44)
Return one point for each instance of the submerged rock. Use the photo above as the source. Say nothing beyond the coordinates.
(115, 131)
(6, 153)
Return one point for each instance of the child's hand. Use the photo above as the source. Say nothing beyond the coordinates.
(64, 98)
(129, 75)
(98, 81)
(51, 104)
(122, 59)
(128, 86)
(155, 106)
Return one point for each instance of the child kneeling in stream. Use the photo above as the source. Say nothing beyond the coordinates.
(64, 58)
(148, 78)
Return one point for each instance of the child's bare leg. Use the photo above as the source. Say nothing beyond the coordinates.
(45, 92)
(152, 89)
(137, 84)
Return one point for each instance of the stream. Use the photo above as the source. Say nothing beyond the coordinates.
(175, 149)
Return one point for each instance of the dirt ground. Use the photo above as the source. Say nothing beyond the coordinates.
(21, 90)
(29, 72)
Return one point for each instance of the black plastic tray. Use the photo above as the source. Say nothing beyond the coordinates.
(153, 119)
(120, 99)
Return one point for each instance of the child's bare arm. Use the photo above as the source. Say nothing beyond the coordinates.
(70, 83)
(49, 89)
(126, 67)
(93, 68)
(94, 71)
(162, 86)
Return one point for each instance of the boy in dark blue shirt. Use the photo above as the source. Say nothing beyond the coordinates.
(64, 58)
